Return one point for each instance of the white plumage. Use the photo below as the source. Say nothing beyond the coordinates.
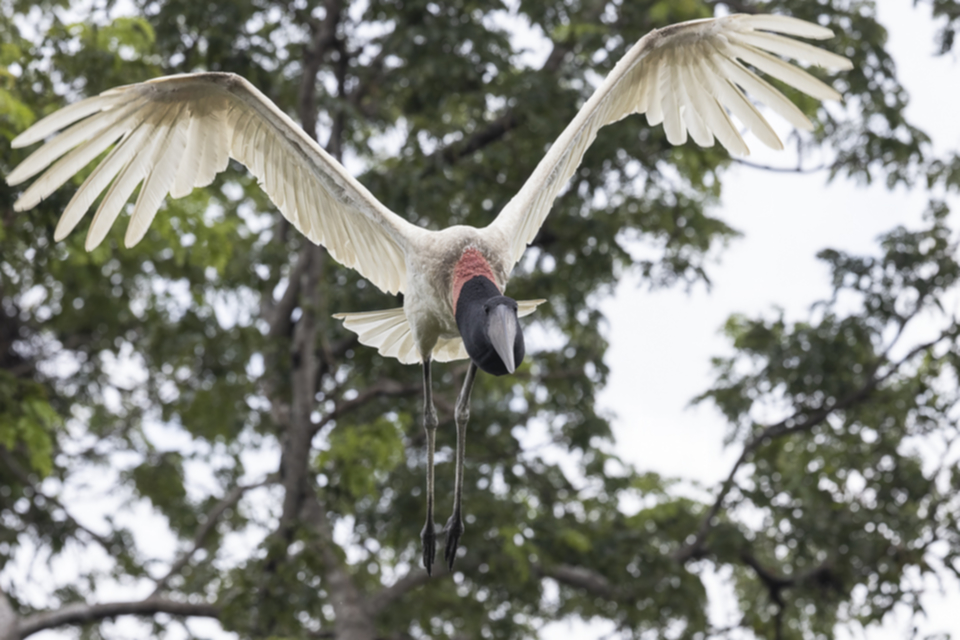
(179, 132)
(687, 77)
(176, 133)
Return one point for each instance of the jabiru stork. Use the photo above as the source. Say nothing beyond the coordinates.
(176, 133)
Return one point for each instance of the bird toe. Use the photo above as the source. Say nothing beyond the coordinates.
(453, 529)
(428, 536)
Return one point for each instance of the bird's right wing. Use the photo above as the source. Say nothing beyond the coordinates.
(686, 76)
(179, 132)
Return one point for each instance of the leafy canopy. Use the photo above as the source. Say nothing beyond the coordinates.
(199, 378)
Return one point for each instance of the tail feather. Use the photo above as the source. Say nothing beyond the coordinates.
(389, 332)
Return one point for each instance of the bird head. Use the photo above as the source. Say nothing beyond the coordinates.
(489, 327)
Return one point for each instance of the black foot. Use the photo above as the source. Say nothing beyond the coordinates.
(453, 529)
(429, 539)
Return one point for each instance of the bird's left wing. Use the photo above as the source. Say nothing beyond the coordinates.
(687, 76)
(178, 132)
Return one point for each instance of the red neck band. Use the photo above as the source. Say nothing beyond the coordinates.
(471, 264)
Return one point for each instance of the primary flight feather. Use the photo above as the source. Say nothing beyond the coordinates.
(176, 133)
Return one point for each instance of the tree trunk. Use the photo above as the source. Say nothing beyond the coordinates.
(8, 620)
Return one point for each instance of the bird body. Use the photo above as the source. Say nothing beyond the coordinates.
(175, 133)
(432, 266)
(427, 324)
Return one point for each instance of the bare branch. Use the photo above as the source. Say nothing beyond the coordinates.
(581, 578)
(509, 119)
(23, 476)
(495, 130)
(794, 425)
(767, 167)
(229, 500)
(776, 583)
(78, 613)
(8, 620)
(772, 581)
(787, 426)
(384, 387)
(414, 579)
(278, 315)
(378, 68)
(323, 36)
(299, 430)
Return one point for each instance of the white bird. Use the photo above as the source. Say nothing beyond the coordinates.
(176, 133)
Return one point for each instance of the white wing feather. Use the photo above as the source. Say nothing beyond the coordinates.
(176, 133)
(388, 331)
(687, 76)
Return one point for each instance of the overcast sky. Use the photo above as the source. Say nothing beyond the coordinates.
(662, 341)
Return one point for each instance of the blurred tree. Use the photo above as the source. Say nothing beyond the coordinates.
(186, 433)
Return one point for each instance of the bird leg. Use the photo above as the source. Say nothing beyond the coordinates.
(454, 526)
(428, 536)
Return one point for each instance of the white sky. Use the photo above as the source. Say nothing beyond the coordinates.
(661, 341)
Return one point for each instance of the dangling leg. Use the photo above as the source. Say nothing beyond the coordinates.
(454, 526)
(429, 536)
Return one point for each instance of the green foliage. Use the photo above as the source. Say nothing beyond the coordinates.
(948, 15)
(845, 503)
(160, 376)
(160, 479)
(17, 114)
(359, 460)
(27, 421)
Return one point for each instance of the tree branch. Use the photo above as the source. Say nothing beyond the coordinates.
(793, 425)
(278, 315)
(510, 119)
(296, 428)
(324, 34)
(23, 476)
(384, 387)
(356, 97)
(82, 613)
(776, 583)
(229, 500)
(414, 579)
(787, 426)
(491, 133)
(581, 578)
(9, 626)
(304, 374)
(767, 167)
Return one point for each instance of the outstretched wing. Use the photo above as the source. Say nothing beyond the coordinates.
(178, 132)
(687, 76)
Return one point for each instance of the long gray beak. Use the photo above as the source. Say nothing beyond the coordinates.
(502, 330)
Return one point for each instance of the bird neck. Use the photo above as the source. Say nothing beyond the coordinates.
(471, 264)
(468, 305)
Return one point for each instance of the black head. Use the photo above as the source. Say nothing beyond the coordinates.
(489, 327)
